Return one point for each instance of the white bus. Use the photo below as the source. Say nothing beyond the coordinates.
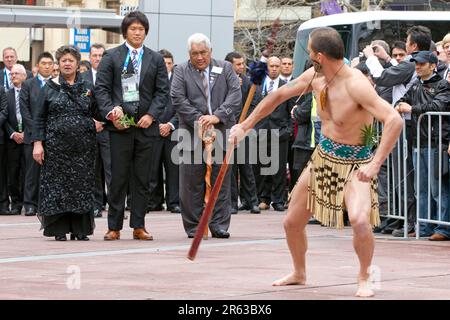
(358, 29)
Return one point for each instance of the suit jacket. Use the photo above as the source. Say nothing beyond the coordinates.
(153, 87)
(169, 114)
(3, 114)
(12, 125)
(88, 76)
(189, 99)
(245, 88)
(280, 118)
(2, 77)
(29, 98)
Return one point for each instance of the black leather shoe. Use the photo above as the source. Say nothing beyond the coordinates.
(16, 211)
(155, 208)
(233, 211)
(4, 212)
(278, 207)
(220, 234)
(191, 235)
(255, 209)
(98, 213)
(61, 237)
(80, 237)
(243, 207)
(30, 212)
(175, 209)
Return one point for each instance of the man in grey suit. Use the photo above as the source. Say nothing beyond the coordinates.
(204, 92)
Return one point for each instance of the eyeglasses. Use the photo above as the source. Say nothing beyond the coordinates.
(16, 73)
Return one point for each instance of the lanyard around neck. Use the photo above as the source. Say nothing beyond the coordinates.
(127, 60)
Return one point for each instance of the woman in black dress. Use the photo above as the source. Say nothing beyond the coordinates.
(64, 144)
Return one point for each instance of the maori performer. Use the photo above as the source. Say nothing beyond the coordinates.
(342, 170)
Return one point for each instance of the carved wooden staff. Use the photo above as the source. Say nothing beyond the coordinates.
(257, 72)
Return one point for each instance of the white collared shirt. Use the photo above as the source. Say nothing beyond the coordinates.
(130, 48)
(42, 79)
(286, 79)
(276, 83)
(94, 75)
(8, 78)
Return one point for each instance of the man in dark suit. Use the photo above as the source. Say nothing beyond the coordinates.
(164, 146)
(29, 96)
(132, 81)
(103, 156)
(15, 137)
(4, 200)
(204, 92)
(9, 59)
(242, 178)
(271, 188)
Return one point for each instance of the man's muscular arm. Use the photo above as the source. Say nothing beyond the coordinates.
(363, 93)
(269, 103)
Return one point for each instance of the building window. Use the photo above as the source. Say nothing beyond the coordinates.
(112, 37)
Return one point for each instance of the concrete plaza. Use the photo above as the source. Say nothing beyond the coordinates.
(240, 268)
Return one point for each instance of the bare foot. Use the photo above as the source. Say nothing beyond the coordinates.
(291, 279)
(364, 288)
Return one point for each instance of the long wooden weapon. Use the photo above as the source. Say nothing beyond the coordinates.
(258, 71)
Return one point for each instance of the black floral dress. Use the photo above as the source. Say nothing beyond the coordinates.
(64, 122)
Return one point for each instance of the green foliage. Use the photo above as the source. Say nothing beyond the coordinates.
(369, 135)
(127, 121)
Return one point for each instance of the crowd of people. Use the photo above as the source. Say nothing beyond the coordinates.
(121, 132)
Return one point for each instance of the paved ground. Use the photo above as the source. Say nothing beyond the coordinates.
(239, 268)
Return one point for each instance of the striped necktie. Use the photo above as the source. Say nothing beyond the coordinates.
(271, 83)
(135, 61)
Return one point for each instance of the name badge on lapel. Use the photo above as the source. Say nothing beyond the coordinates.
(216, 70)
(130, 88)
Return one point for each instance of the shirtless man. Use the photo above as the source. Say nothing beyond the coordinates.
(350, 103)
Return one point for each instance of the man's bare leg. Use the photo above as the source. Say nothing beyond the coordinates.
(357, 200)
(294, 225)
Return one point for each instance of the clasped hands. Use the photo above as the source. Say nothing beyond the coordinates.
(117, 113)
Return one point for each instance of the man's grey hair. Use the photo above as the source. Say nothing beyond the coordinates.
(198, 38)
(383, 44)
(20, 68)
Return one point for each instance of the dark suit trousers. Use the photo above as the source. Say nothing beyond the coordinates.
(16, 169)
(163, 157)
(4, 201)
(131, 157)
(102, 167)
(32, 178)
(271, 188)
(192, 195)
(243, 180)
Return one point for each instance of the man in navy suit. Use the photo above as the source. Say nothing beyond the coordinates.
(163, 153)
(4, 200)
(103, 158)
(29, 95)
(15, 138)
(9, 59)
(132, 81)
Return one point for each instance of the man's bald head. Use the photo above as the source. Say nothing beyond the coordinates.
(274, 67)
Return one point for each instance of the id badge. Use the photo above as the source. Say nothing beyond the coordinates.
(130, 88)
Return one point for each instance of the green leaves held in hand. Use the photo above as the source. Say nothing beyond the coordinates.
(127, 121)
(369, 136)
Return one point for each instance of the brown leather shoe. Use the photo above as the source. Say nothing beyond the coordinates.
(263, 206)
(112, 235)
(438, 237)
(141, 234)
